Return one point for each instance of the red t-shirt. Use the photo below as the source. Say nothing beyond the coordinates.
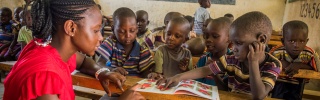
(39, 71)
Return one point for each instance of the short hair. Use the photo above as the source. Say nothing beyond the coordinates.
(8, 10)
(47, 14)
(226, 22)
(142, 12)
(122, 12)
(171, 15)
(181, 21)
(189, 18)
(255, 23)
(228, 15)
(295, 24)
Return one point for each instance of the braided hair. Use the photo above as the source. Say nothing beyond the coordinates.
(47, 14)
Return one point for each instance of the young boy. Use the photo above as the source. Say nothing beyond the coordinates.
(157, 38)
(250, 70)
(294, 55)
(172, 58)
(201, 15)
(143, 31)
(121, 50)
(6, 30)
(25, 33)
(216, 40)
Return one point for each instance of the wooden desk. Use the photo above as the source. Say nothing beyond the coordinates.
(89, 82)
(7, 65)
(310, 74)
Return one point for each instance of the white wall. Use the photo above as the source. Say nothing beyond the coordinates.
(11, 3)
(157, 9)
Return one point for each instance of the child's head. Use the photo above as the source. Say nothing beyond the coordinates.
(295, 37)
(28, 18)
(77, 23)
(125, 26)
(142, 20)
(5, 15)
(230, 16)
(177, 32)
(191, 21)
(205, 24)
(205, 3)
(16, 13)
(217, 36)
(248, 28)
(171, 15)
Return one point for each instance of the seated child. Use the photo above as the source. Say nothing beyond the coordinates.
(196, 46)
(192, 34)
(201, 15)
(143, 31)
(171, 58)
(121, 51)
(294, 55)
(250, 70)
(6, 31)
(156, 39)
(25, 33)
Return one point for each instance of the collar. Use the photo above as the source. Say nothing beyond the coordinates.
(135, 49)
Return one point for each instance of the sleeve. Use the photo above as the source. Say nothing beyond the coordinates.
(146, 59)
(315, 62)
(215, 69)
(158, 57)
(270, 73)
(42, 83)
(105, 49)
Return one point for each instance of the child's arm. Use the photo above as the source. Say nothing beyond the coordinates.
(192, 74)
(259, 89)
(102, 62)
(293, 68)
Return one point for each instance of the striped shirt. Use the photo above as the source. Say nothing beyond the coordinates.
(238, 81)
(142, 39)
(307, 56)
(6, 32)
(139, 59)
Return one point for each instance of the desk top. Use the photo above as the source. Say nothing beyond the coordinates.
(89, 82)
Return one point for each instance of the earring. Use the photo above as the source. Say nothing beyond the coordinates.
(72, 35)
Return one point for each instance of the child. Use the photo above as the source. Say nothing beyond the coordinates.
(192, 34)
(121, 51)
(171, 58)
(143, 31)
(250, 70)
(294, 55)
(16, 14)
(230, 16)
(157, 38)
(201, 15)
(25, 33)
(216, 40)
(6, 32)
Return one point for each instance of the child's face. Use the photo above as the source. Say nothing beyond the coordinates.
(28, 19)
(206, 3)
(175, 35)
(142, 20)
(294, 41)
(241, 41)
(216, 38)
(5, 17)
(126, 30)
(87, 35)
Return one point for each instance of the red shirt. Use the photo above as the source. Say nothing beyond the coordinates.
(39, 71)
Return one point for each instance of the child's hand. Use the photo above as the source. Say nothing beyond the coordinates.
(116, 78)
(155, 76)
(291, 70)
(256, 52)
(130, 94)
(120, 70)
(184, 63)
(169, 82)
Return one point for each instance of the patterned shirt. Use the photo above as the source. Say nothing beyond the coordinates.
(238, 81)
(200, 16)
(307, 56)
(139, 59)
(142, 39)
(6, 32)
(156, 39)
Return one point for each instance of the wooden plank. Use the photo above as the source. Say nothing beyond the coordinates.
(88, 93)
(311, 94)
(107, 28)
(7, 65)
(276, 38)
(309, 74)
(274, 43)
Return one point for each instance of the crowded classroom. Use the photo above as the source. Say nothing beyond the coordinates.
(159, 49)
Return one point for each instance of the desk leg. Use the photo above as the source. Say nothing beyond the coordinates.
(302, 83)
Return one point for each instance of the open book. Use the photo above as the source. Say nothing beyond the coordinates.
(188, 87)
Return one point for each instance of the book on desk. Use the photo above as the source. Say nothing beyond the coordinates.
(187, 87)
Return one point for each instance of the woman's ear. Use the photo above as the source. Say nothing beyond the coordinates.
(70, 27)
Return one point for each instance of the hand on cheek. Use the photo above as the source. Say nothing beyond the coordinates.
(256, 52)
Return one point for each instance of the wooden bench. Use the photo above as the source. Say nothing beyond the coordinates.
(275, 39)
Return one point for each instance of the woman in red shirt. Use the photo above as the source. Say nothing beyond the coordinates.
(61, 28)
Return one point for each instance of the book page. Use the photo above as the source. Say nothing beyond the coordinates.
(198, 89)
(149, 85)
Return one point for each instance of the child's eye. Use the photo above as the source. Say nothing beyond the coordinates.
(302, 41)
(291, 41)
(216, 36)
(95, 31)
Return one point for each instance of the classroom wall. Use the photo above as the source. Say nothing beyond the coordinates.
(312, 19)
(11, 3)
(157, 9)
